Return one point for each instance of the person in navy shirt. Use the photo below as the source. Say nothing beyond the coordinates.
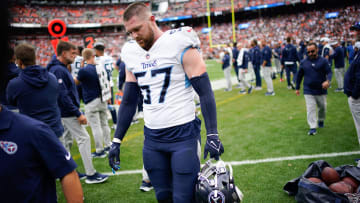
(71, 116)
(32, 157)
(35, 91)
(9, 72)
(317, 76)
(277, 55)
(266, 55)
(350, 52)
(320, 47)
(288, 61)
(225, 61)
(339, 69)
(352, 85)
(302, 49)
(235, 54)
(256, 62)
(120, 65)
(242, 62)
(95, 107)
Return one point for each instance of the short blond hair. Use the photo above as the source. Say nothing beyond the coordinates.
(87, 53)
(136, 9)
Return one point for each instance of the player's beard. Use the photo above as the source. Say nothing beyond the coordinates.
(147, 41)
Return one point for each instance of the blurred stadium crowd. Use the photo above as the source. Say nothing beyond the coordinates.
(111, 14)
(302, 26)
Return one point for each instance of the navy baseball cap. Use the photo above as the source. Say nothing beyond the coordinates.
(356, 26)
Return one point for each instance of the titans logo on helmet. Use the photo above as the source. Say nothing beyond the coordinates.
(8, 147)
(216, 197)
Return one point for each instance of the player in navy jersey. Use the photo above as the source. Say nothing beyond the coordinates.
(166, 76)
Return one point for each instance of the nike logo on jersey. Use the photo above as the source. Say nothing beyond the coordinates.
(68, 156)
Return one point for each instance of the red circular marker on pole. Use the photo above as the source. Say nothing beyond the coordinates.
(57, 28)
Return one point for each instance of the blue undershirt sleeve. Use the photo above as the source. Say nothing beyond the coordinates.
(202, 86)
(127, 109)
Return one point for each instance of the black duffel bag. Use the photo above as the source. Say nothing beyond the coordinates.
(306, 191)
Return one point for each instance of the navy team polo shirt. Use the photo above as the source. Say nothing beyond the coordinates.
(90, 83)
(31, 158)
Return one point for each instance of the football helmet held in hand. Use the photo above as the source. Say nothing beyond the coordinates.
(215, 184)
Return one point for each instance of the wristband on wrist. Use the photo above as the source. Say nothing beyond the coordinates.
(116, 140)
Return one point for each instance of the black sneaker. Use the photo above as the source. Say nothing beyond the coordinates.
(321, 124)
(292, 85)
(250, 90)
(101, 154)
(242, 92)
(107, 149)
(146, 187)
(96, 178)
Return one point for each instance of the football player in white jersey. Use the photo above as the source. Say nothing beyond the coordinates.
(109, 65)
(166, 67)
(75, 67)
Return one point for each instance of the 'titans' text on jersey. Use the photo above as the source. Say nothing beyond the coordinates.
(168, 95)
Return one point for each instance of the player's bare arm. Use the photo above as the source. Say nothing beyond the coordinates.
(71, 187)
(193, 63)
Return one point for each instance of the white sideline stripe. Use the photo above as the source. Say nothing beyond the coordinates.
(335, 154)
(238, 163)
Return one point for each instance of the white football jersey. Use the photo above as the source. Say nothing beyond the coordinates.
(101, 63)
(108, 63)
(168, 94)
(76, 65)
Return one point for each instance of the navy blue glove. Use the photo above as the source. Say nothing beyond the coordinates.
(213, 146)
(114, 157)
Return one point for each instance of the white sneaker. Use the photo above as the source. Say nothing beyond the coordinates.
(257, 88)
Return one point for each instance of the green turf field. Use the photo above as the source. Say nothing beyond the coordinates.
(251, 127)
